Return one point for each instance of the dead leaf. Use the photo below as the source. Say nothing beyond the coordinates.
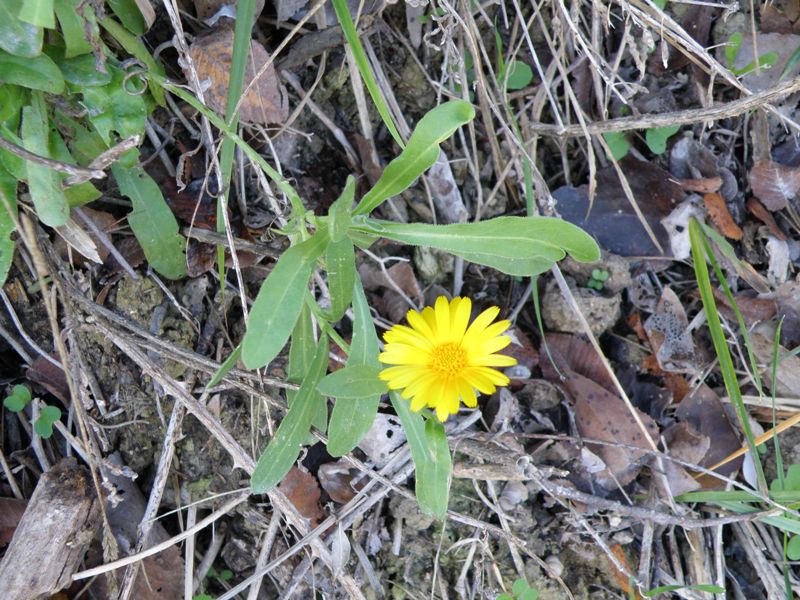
(147, 11)
(706, 185)
(336, 478)
(719, 213)
(265, 102)
(788, 369)
(667, 330)
(755, 208)
(399, 276)
(781, 44)
(302, 490)
(678, 385)
(704, 411)
(601, 415)
(780, 16)
(752, 308)
(49, 376)
(685, 443)
(774, 184)
(521, 349)
(611, 219)
(569, 352)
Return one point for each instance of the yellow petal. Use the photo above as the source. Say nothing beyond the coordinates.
(407, 335)
(479, 380)
(467, 393)
(460, 311)
(420, 324)
(418, 403)
(481, 322)
(442, 315)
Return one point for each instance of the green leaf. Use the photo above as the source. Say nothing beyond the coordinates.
(357, 381)
(16, 165)
(77, 195)
(279, 302)
(656, 137)
(73, 26)
(618, 144)
(136, 47)
(515, 245)
(82, 72)
(351, 419)
(793, 548)
(22, 392)
(419, 155)
(226, 366)
(152, 222)
(129, 14)
(8, 194)
(44, 184)
(702, 587)
(431, 456)
(340, 264)
(791, 63)
(43, 426)
(520, 585)
(661, 4)
(38, 13)
(529, 594)
(17, 37)
(341, 211)
(112, 109)
(732, 48)
(351, 35)
(520, 75)
(36, 73)
(12, 99)
(764, 61)
(301, 351)
(284, 448)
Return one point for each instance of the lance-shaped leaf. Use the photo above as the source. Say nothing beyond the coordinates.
(284, 448)
(8, 202)
(152, 221)
(357, 381)
(419, 154)
(279, 302)
(351, 419)
(516, 245)
(340, 264)
(431, 456)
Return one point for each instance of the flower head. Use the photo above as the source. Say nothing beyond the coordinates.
(440, 359)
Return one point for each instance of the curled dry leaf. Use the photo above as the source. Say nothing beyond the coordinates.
(601, 415)
(266, 100)
(719, 213)
(670, 338)
(755, 208)
(49, 376)
(336, 478)
(569, 352)
(302, 490)
(706, 185)
(774, 184)
(705, 413)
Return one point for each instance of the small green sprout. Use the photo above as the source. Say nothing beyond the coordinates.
(520, 591)
(43, 426)
(19, 398)
(598, 279)
(733, 45)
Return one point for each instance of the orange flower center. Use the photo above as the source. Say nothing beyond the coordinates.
(448, 359)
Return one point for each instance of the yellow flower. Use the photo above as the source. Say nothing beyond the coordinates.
(439, 359)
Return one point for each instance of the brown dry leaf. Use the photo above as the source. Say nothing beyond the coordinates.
(302, 490)
(612, 220)
(49, 376)
(707, 185)
(400, 275)
(755, 208)
(678, 385)
(719, 213)
(788, 370)
(521, 349)
(774, 184)
(265, 102)
(780, 16)
(753, 309)
(571, 353)
(147, 11)
(685, 443)
(336, 478)
(11, 511)
(600, 415)
(667, 330)
(704, 411)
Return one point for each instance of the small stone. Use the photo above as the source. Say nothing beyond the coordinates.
(433, 265)
(601, 312)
